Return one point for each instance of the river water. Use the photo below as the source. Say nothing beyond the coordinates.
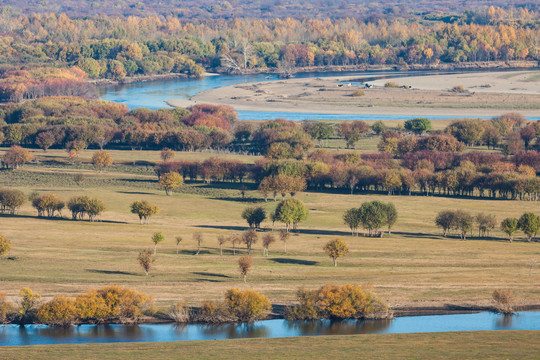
(13, 335)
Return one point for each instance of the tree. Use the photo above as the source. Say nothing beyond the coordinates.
(198, 238)
(244, 264)
(284, 236)
(178, 241)
(463, 222)
(351, 217)
(5, 245)
(391, 215)
(222, 239)
(16, 157)
(267, 240)
(249, 238)
(102, 159)
(335, 249)
(254, 216)
(486, 223)
(93, 208)
(78, 179)
(45, 140)
(144, 210)
(49, 204)
(446, 220)
(28, 303)
(146, 260)
(166, 154)
(373, 216)
(11, 200)
(156, 239)
(529, 223)
(291, 211)
(352, 131)
(418, 125)
(170, 181)
(509, 226)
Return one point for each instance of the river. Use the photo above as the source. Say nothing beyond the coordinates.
(13, 335)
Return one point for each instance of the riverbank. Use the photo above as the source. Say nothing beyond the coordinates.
(347, 95)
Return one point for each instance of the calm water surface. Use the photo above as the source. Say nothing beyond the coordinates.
(39, 335)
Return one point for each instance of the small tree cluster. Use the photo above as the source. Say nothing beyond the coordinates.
(372, 216)
(291, 212)
(48, 205)
(254, 216)
(16, 157)
(144, 210)
(84, 205)
(11, 200)
(460, 220)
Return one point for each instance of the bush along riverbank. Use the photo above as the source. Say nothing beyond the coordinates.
(115, 304)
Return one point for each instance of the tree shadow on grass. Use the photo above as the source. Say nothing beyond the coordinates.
(211, 274)
(60, 219)
(239, 199)
(110, 272)
(135, 193)
(294, 261)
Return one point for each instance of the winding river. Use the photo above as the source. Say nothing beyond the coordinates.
(13, 335)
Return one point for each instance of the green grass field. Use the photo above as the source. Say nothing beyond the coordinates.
(444, 346)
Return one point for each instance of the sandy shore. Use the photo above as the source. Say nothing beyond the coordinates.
(488, 94)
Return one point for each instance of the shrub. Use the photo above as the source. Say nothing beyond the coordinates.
(5, 245)
(247, 305)
(214, 312)
(504, 301)
(60, 311)
(179, 312)
(391, 84)
(102, 159)
(338, 302)
(6, 309)
(459, 89)
(358, 93)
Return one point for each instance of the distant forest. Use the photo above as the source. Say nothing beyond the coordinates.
(45, 53)
(299, 9)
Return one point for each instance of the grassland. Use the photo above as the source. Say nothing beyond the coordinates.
(447, 346)
(415, 267)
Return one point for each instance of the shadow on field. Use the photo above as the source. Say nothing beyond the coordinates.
(135, 193)
(239, 199)
(61, 219)
(211, 274)
(138, 180)
(294, 261)
(110, 272)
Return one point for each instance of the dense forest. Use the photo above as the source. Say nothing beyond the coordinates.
(115, 47)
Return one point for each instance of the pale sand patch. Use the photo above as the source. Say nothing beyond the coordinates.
(333, 95)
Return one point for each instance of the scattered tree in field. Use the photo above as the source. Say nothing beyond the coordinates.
(418, 125)
(146, 260)
(486, 224)
(391, 215)
(166, 154)
(170, 181)
(464, 223)
(244, 264)
(291, 212)
(267, 240)
(529, 223)
(284, 236)
(504, 301)
(198, 238)
(11, 200)
(373, 217)
(378, 127)
(78, 179)
(509, 226)
(222, 239)
(48, 204)
(249, 238)
(235, 239)
(157, 237)
(254, 216)
(102, 159)
(446, 220)
(335, 249)
(351, 218)
(144, 210)
(178, 241)
(5, 246)
(16, 157)
(352, 131)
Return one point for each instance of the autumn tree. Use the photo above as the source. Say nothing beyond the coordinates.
(144, 210)
(170, 181)
(146, 260)
(267, 240)
(529, 223)
(48, 204)
(509, 226)
(254, 216)
(178, 241)
(291, 211)
(198, 238)
(486, 223)
(5, 245)
(166, 154)
(352, 131)
(16, 157)
(222, 239)
(418, 125)
(335, 249)
(245, 264)
(157, 237)
(284, 235)
(249, 238)
(102, 159)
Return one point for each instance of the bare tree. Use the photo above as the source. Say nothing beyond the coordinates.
(146, 260)
(267, 240)
(283, 236)
(198, 239)
(221, 240)
(178, 241)
(244, 264)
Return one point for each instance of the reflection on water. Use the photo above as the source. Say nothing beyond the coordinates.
(38, 334)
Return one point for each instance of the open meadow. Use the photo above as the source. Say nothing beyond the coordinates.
(413, 268)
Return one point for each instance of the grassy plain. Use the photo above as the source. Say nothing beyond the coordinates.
(444, 346)
(415, 267)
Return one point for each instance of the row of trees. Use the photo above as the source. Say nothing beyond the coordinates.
(372, 216)
(463, 222)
